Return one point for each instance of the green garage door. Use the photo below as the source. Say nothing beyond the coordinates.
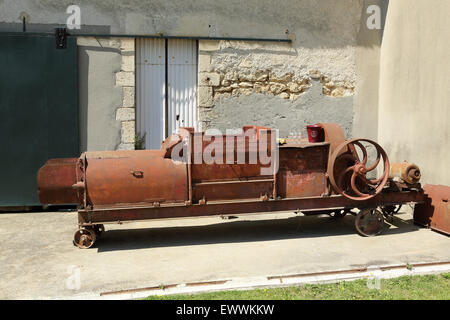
(38, 111)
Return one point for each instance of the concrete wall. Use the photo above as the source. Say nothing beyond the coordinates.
(414, 108)
(365, 120)
(106, 91)
(331, 20)
(98, 61)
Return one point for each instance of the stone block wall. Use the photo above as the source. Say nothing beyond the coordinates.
(235, 75)
(125, 78)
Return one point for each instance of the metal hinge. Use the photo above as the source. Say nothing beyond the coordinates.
(61, 38)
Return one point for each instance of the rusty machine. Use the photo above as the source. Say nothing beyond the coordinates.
(326, 176)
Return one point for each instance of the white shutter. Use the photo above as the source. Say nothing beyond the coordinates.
(182, 81)
(150, 87)
(150, 90)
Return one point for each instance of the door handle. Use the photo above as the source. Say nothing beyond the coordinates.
(137, 174)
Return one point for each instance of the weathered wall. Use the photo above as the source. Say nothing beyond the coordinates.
(282, 103)
(333, 21)
(414, 109)
(286, 85)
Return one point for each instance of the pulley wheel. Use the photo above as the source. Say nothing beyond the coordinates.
(348, 173)
(369, 222)
(84, 238)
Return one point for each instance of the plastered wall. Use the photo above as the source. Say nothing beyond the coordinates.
(414, 106)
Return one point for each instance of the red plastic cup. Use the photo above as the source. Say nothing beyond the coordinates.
(315, 133)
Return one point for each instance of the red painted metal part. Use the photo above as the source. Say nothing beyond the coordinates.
(315, 133)
(435, 211)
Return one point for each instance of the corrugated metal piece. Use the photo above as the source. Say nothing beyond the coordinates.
(150, 90)
(55, 181)
(182, 80)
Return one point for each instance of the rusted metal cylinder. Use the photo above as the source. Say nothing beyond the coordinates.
(409, 173)
(141, 176)
(114, 178)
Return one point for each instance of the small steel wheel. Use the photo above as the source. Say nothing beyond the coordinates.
(99, 229)
(369, 222)
(84, 238)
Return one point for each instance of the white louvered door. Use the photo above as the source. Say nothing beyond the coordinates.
(152, 74)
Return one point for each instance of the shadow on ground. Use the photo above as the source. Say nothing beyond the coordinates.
(239, 230)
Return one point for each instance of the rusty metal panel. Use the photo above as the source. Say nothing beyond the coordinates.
(435, 211)
(312, 158)
(230, 190)
(150, 90)
(217, 172)
(55, 180)
(302, 170)
(182, 84)
(294, 184)
(245, 152)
